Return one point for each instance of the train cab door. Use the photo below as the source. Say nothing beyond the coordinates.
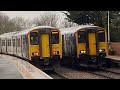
(45, 43)
(92, 42)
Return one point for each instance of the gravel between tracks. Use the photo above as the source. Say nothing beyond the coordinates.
(108, 74)
(77, 74)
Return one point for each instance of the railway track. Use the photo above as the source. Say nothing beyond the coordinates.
(114, 71)
(101, 73)
(55, 75)
(52, 73)
(70, 73)
(107, 73)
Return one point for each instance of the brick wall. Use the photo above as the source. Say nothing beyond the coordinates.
(116, 47)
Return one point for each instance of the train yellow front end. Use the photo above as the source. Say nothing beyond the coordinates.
(92, 46)
(45, 46)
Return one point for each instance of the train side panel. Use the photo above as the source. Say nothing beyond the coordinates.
(33, 45)
(25, 48)
(103, 45)
(18, 38)
(56, 44)
(69, 45)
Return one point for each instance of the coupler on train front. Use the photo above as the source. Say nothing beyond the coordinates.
(50, 64)
(94, 61)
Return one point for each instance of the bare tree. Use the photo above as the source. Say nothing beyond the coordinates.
(4, 23)
(14, 24)
(21, 23)
(65, 24)
(48, 18)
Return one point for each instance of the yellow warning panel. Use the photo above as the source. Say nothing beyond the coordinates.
(45, 45)
(92, 43)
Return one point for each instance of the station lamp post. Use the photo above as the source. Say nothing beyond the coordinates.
(108, 29)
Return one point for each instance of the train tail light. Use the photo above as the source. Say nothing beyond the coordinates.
(55, 52)
(82, 51)
(101, 50)
(35, 53)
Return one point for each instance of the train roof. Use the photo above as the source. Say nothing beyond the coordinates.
(76, 28)
(8, 34)
(24, 32)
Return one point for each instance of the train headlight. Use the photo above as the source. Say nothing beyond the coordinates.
(55, 52)
(35, 53)
(101, 50)
(82, 51)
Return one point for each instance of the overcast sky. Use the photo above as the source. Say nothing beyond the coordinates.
(25, 14)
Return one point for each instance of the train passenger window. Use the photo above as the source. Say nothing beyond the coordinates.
(101, 36)
(81, 37)
(34, 38)
(13, 42)
(55, 37)
(3, 42)
(23, 41)
(10, 43)
(18, 42)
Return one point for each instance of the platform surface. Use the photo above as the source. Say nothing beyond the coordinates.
(8, 70)
(113, 57)
(27, 70)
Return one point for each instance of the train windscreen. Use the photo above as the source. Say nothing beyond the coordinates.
(55, 37)
(101, 36)
(81, 37)
(34, 38)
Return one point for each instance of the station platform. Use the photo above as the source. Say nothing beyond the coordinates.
(16, 68)
(8, 70)
(113, 57)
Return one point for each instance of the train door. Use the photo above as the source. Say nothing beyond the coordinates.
(45, 43)
(92, 42)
